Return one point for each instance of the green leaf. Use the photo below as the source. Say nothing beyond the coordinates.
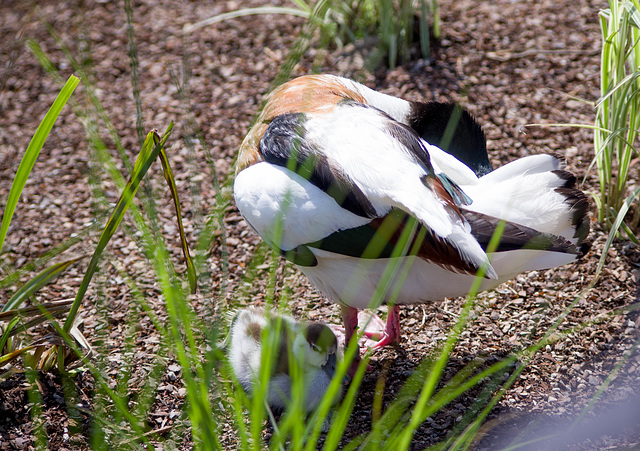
(39, 313)
(615, 227)
(7, 358)
(168, 175)
(634, 14)
(149, 152)
(35, 284)
(32, 152)
(7, 334)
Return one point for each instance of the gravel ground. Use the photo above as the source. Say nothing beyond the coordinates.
(511, 64)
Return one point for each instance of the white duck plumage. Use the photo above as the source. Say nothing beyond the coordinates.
(313, 346)
(330, 163)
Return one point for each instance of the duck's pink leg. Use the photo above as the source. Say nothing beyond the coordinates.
(350, 319)
(391, 334)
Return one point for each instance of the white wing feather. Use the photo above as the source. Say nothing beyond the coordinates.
(387, 173)
(288, 210)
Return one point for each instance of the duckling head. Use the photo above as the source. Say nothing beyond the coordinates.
(317, 347)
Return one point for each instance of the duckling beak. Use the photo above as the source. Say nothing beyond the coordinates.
(330, 365)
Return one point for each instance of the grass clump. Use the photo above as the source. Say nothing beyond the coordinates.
(392, 24)
(618, 116)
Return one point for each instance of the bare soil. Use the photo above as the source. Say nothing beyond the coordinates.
(511, 64)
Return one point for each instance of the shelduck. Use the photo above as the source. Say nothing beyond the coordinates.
(381, 200)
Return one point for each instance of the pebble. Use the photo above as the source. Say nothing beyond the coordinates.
(594, 380)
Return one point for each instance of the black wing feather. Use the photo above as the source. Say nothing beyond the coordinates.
(515, 236)
(451, 128)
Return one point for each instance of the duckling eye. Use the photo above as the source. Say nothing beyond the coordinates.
(316, 348)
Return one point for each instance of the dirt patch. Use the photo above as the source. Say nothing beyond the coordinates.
(511, 64)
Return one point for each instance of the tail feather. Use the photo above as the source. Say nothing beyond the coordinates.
(536, 193)
(578, 204)
(547, 217)
(533, 164)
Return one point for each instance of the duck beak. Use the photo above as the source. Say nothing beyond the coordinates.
(330, 365)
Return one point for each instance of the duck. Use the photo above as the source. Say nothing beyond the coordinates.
(379, 200)
(311, 345)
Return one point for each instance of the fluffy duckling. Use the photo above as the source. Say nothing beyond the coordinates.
(354, 187)
(312, 345)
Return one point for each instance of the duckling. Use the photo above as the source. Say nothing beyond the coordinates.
(312, 345)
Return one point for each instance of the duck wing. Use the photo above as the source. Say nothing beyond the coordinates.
(376, 169)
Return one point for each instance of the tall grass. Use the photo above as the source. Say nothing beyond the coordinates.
(618, 114)
(11, 311)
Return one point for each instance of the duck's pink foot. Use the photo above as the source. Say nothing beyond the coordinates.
(350, 319)
(391, 333)
(372, 327)
(377, 333)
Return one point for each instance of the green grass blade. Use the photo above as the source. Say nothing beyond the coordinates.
(32, 152)
(37, 418)
(425, 45)
(88, 116)
(35, 284)
(148, 154)
(4, 339)
(10, 356)
(13, 276)
(50, 309)
(303, 6)
(171, 182)
(403, 436)
(339, 423)
(615, 227)
(135, 72)
(214, 225)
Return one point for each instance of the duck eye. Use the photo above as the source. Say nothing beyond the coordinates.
(316, 348)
